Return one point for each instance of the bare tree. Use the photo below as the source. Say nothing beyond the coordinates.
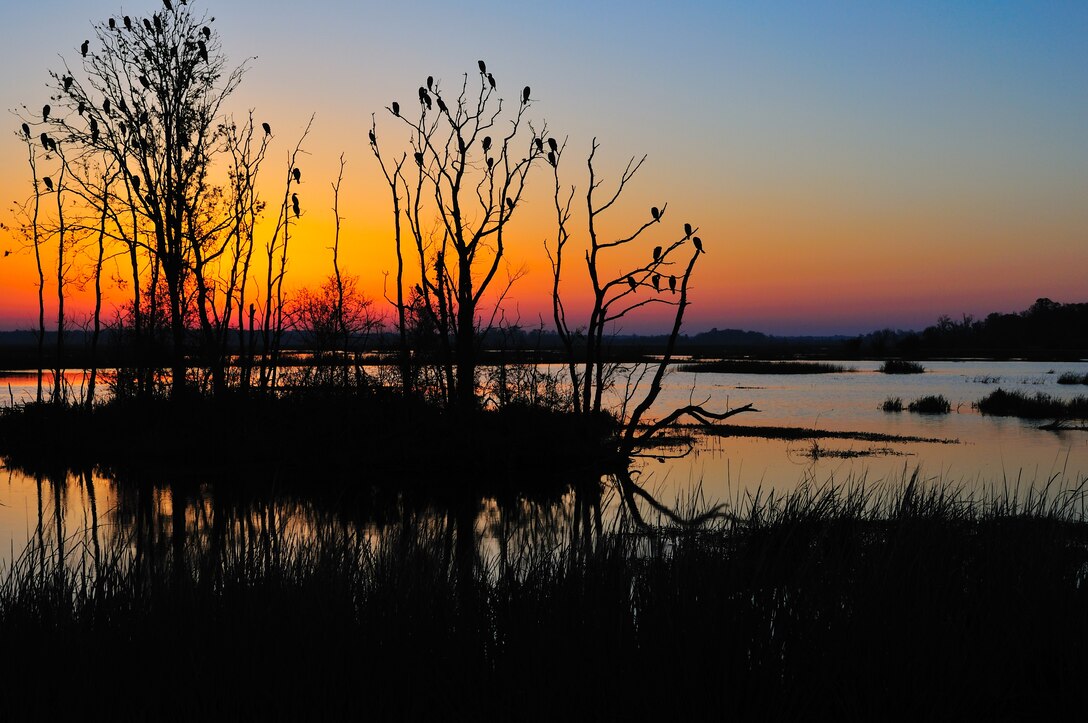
(148, 95)
(466, 189)
(617, 295)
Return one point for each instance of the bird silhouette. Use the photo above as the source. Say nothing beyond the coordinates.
(655, 213)
(525, 95)
(483, 67)
(373, 140)
(7, 253)
(267, 129)
(144, 82)
(539, 144)
(490, 162)
(430, 82)
(122, 129)
(553, 145)
(687, 230)
(656, 279)
(94, 131)
(486, 144)
(128, 23)
(48, 183)
(158, 23)
(491, 81)
(121, 104)
(136, 183)
(45, 140)
(202, 50)
(147, 26)
(441, 104)
(672, 284)
(106, 106)
(510, 203)
(68, 83)
(396, 109)
(45, 112)
(296, 174)
(294, 204)
(698, 244)
(81, 108)
(206, 32)
(148, 55)
(631, 282)
(424, 97)
(113, 24)
(460, 144)
(26, 131)
(84, 48)
(657, 253)
(419, 158)
(551, 158)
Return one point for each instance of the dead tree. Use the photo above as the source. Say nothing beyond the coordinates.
(656, 281)
(472, 161)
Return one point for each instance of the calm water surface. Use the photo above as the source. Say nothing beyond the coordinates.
(79, 515)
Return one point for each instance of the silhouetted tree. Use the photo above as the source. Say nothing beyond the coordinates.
(148, 95)
(472, 160)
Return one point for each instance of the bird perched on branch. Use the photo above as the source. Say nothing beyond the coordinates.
(441, 104)
(483, 67)
(373, 138)
(294, 204)
(48, 183)
(698, 244)
(486, 144)
(128, 23)
(539, 144)
(430, 82)
(672, 284)
(551, 158)
(553, 145)
(144, 82)
(396, 108)
(84, 48)
(657, 253)
(525, 95)
(45, 112)
(202, 50)
(631, 282)
(26, 131)
(296, 174)
(655, 213)
(147, 26)
(687, 230)
(419, 158)
(267, 129)
(113, 24)
(206, 31)
(491, 81)
(656, 280)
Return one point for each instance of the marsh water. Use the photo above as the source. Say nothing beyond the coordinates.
(83, 515)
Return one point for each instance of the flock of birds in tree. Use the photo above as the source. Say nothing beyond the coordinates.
(156, 26)
(655, 278)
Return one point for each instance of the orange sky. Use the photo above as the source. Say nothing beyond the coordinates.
(849, 168)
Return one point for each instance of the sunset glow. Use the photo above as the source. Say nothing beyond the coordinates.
(849, 168)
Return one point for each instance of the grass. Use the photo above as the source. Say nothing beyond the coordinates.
(753, 366)
(831, 601)
(1073, 378)
(1000, 403)
(931, 404)
(901, 366)
(892, 404)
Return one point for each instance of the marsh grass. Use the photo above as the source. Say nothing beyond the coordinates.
(1073, 378)
(901, 366)
(829, 601)
(931, 404)
(892, 404)
(1038, 406)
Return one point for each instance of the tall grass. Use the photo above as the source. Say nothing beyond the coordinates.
(1038, 406)
(1073, 378)
(901, 366)
(853, 600)
(931, 404)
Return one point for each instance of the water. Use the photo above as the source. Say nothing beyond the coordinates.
(78, 516)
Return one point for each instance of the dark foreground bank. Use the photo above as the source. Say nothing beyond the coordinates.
(852, 603)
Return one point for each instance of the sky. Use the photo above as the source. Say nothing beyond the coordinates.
(850, 166)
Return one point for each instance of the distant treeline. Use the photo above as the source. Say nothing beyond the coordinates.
(1047, 329)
